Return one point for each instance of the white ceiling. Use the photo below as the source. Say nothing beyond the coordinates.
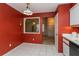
(35, 7)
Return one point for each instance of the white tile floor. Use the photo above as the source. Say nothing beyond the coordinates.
(29, 49)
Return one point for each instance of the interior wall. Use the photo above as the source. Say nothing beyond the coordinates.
(64, 23)
(37, 37)
(10, 28)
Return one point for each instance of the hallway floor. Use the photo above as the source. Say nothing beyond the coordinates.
(48, 40)
(29, 49)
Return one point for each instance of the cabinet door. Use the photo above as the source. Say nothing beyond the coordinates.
(74, 15)
(65, 49)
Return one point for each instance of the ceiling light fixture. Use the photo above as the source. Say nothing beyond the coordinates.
(28, 11)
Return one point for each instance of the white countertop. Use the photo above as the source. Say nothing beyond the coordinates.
(71, 38)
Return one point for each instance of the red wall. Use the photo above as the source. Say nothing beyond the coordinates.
(64, 23)
(10, 29)
(37, 37)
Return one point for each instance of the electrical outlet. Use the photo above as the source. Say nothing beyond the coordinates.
(10, 45)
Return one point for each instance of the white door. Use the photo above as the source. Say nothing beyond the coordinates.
(56, 31)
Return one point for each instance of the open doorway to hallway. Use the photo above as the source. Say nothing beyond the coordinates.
(48, 30)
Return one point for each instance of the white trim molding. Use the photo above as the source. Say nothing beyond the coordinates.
(24, 26)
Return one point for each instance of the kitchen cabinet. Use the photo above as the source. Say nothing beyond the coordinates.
(74, 15)
(66, 48)
(74, 49)
(70, 45)
(69, 48)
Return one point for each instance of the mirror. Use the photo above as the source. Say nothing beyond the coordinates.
(32, 25)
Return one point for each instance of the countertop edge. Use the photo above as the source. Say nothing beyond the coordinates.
(71, 40)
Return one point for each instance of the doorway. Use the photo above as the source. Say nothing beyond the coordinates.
(48, 30)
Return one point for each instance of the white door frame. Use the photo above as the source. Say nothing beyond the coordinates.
(56, 32)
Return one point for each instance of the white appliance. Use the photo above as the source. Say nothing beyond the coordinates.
(66, 48)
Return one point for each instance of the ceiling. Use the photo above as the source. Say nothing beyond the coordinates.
(35, 7)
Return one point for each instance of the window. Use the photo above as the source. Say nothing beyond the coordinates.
(32, 25)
